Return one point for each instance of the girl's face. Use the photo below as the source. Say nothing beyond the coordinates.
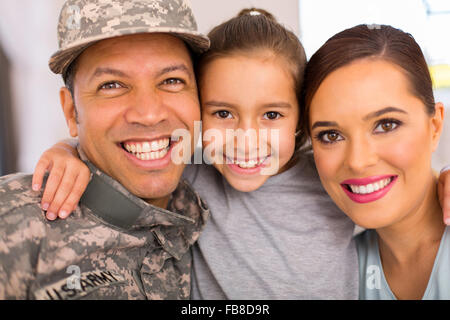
(373, 141)
(250, 114)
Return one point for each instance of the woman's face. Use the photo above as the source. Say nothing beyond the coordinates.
(373, 141)
(250, 115)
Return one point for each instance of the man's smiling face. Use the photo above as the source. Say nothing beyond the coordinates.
(130, 94)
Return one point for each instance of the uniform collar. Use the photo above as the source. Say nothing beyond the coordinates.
(176, 228)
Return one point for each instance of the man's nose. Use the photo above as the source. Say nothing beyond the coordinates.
(361, 154)
(147, 108)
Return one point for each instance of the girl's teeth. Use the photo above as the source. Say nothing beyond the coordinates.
(369, 188)
(248, 164)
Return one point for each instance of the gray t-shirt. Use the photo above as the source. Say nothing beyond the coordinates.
(373, 284)
(286, 240)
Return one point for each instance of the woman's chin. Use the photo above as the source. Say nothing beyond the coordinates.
(367, 220)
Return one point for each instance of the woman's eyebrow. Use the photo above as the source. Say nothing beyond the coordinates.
(367, 117)
(383, 111)
(324, 124)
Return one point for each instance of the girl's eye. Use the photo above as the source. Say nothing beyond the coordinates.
(329, 137)
(387, 125)
(223, 114)
(272, 115)
(110, 86)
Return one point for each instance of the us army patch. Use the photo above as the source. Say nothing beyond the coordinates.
(70, 289)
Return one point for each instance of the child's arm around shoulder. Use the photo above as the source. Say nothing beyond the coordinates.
(67, 180)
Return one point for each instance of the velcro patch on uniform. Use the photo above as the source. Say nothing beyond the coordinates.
(72, 288)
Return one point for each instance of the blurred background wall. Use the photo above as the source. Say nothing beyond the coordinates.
(30, 116)
(8, 154)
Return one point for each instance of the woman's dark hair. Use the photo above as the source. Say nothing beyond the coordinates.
(256, 30)
(363, 42)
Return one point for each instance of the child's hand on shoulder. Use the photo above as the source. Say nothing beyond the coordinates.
(67, 180)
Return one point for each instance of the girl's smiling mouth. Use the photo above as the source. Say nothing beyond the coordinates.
(249, 166)
(368, 189)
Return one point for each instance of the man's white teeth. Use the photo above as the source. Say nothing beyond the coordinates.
(369, 188)
(151, 155)
(147, 146)
(149, 150)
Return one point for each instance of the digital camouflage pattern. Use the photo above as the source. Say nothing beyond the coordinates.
(87, 256)
(83, 22)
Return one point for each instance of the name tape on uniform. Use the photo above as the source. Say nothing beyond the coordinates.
(88, 282)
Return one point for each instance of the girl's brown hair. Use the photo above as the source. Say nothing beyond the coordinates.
(362, 42)
(254, 30)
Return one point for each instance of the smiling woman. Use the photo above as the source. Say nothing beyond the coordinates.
(370, 112)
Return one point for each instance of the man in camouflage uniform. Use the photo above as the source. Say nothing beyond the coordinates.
(131, 84)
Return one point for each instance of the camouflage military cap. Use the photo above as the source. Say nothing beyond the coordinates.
(85, 22)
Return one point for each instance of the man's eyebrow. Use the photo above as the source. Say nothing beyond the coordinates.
(324, 124)
(177, 67)
(383, 111)
(101, 71)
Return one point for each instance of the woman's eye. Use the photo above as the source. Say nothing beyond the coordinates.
(223, 114)
(386, 126)
(272, 115)
(110, 86)
(329, 137)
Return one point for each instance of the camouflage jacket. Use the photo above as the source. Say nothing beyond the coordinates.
(113, 246)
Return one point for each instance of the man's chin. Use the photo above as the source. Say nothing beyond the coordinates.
(153, 189)
(147, 184)
(156, 194)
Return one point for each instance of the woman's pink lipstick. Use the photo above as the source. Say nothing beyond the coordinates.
(372, 196)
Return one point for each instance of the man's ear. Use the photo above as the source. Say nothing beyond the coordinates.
(68, 107)
(437, 123)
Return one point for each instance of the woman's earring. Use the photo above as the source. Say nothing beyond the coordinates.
(299, 132)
